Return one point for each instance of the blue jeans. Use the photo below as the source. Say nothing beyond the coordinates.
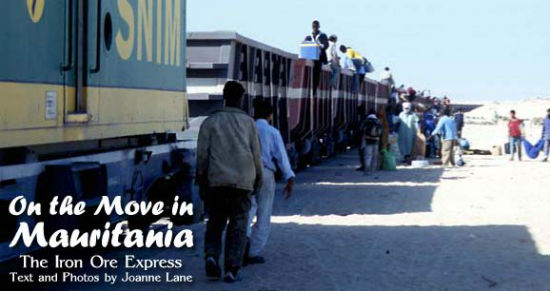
(515, 143)
(334, 76)
(546, 148)
(262, 207)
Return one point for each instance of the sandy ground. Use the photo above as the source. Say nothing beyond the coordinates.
(484, 137)
(484, 226)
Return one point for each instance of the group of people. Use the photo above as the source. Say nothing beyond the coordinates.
(237, 158)
(442, 136)
(516, 136)
(439, 126)
(436, 132)
(329, 54)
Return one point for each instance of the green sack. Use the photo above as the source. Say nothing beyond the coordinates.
(388, 161)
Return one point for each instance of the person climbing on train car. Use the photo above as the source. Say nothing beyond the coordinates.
(333, 59)
(546, 135)
(407, 131)
(356, 62)
(229, 166)
(447, 127)
(322, 40)
(372, 132)
(515, 135)
(274, 157)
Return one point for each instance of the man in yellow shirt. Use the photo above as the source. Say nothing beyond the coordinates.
(355, 58)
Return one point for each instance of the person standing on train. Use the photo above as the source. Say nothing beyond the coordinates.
(322, 40)
(229, 167)
(333, 59)
(386, 78)
(274, 157)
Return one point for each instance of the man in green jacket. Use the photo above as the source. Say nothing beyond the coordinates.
(229, 169)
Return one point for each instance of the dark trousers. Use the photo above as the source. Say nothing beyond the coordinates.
(225, 204)
(362, 157)
(317, 66)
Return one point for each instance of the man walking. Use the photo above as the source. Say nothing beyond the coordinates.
(447, 127)
(515, 134)
(229, 167)
(273, 156)
(546, 135)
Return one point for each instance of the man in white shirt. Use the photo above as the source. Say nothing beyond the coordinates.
(273, 156)
(333, 59)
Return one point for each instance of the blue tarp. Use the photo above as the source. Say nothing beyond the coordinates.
(533, 150)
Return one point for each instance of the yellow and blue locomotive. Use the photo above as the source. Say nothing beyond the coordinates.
(92, 96)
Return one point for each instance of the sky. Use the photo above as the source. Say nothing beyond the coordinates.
(469, 50)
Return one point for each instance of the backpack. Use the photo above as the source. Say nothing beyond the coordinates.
(373, 128)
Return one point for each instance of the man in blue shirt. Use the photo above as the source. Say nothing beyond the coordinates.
(273, 156)
(447, 127)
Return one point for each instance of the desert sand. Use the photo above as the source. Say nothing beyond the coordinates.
(480, 227)
(483, 226)
(487, 126)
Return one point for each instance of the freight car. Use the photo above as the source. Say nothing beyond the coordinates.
(92, 94)
(312, 126)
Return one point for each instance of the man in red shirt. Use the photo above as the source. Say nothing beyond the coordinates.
(515, 134)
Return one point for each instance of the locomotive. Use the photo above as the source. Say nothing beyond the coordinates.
(97, 98)
(92, 96)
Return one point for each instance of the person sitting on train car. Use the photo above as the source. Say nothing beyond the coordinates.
(386, 78)
(274, 157)
(333, 59)
(322, 40)
(229, 166)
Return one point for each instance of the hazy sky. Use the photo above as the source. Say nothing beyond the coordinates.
(469, 50)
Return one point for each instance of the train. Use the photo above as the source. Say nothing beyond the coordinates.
(98, 98)
(313, 126)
